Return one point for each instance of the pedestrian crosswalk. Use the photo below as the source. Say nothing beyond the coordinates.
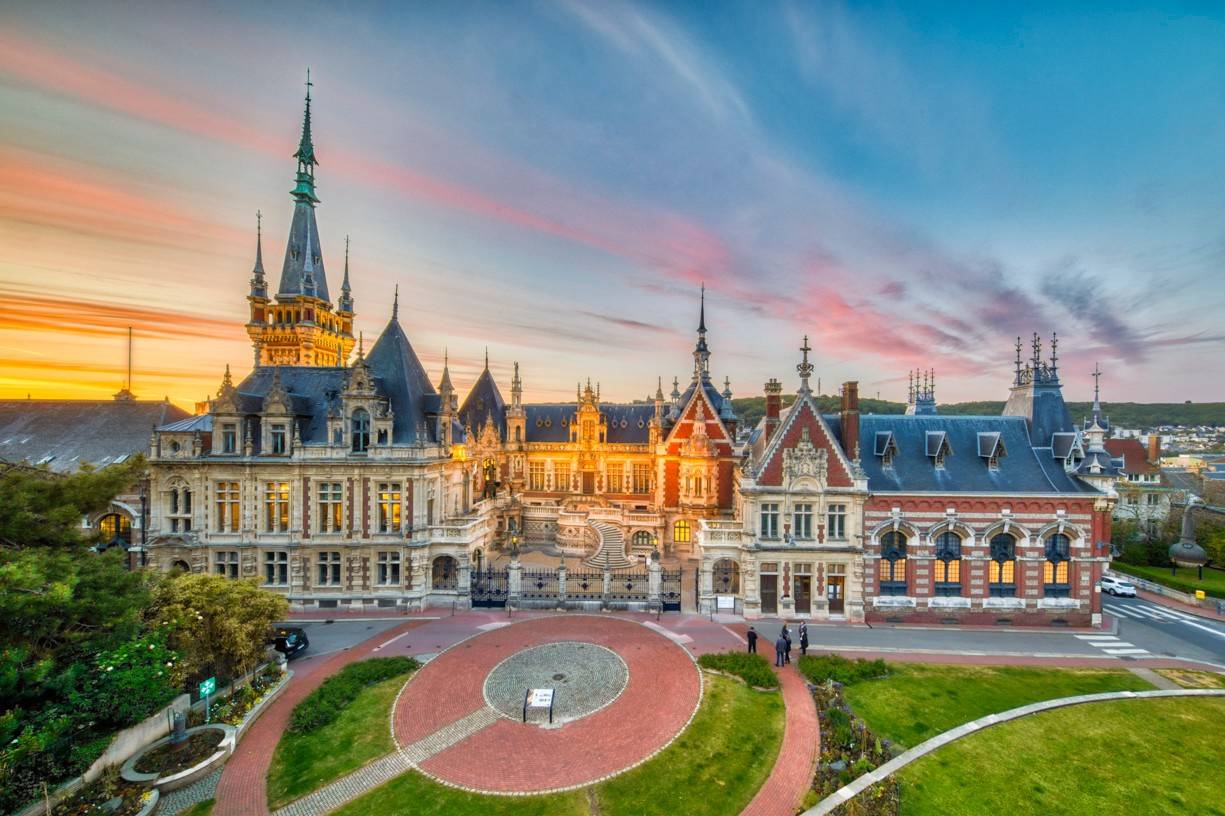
(1114, 646)
(1153, 613)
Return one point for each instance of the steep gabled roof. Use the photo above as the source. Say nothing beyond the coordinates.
(405, 383)
(1133, 454)
(484, 403)
(804, 415)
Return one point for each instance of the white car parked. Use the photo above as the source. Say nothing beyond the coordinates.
(1117, 586)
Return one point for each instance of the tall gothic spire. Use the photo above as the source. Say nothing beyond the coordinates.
(259, 285)
(701, 352)
(395, 304)
(304, 190)
(345, 304)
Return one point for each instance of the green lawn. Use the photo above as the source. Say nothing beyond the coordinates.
(1187, 580)
(1158, 756)
(305, 762)
(204, 808)
(713, 769)
(920, 700)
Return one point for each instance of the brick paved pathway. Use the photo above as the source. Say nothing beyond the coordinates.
(791, 777)
(241, 790)
(660, 698)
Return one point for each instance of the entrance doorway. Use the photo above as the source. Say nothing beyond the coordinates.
(769, 594)
(833, 592)
(588, 482)
(803, 594)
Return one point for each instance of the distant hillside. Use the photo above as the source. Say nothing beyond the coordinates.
(1122, 414)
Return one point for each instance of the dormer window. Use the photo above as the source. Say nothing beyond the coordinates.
(279, 439)
(938, 447)
(991, 448)
(885, 447)
(229, 438)
(360, 439)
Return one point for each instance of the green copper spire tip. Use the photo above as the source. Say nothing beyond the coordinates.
(304, 188)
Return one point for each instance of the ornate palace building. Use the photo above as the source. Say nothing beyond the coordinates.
(344, 477)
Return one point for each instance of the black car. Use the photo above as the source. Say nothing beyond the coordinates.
(290, 641)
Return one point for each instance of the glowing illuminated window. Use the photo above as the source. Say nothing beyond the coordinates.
(893, 564)
(1001, 569)
(228, 511)
(389, 507)
(1055, 583)
(561, 477)
(535, 475)
(331, 507)
(616, 477)
(642, 477)
(682, 532)
(276, 507)
(948, 564)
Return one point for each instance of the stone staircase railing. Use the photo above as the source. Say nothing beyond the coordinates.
(610, 553)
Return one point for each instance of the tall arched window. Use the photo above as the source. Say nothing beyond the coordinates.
(1002, 569)
(682, 533)
(361, 431)
(1055, 583)
(725, 576)
(893, 564)
(642, 539)
(948, 564)
(444, 573)
(115, 525)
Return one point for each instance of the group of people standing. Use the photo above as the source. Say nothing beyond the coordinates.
(782, 645)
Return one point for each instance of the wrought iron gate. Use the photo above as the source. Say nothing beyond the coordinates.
(539, 585)
(490, 587)
(628, 587)
(670, 590)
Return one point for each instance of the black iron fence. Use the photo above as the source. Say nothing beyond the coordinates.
(490, 587)
(584, 585)
(670, 590)
(628, 587)
(539, 585)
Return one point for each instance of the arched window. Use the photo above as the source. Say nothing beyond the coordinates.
(948, 564)
(180, 566)
(682, 533)
(361, 431)
(893, 564)
(1002, 569)
(726, 575)
(115, 525)
(445, 573)
(1055, 583)
(643, 539)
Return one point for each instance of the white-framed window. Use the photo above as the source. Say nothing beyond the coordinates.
(769, 520)
(276, 507)
(802, 518)
(228, 508)
(276, 568)
(229, 438)
(835, 522)
(331, 506)
(225, 563)
(329, 568)
(278, 438)
(389, 507)
(535, 476)
(389, 568)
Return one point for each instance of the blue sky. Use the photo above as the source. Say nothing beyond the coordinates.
(910, 185)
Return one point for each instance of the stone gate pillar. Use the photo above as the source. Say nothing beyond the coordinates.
(514, 582)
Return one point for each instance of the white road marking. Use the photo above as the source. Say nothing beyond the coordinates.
(1125, 651)
(389, 641)
(1096, 637)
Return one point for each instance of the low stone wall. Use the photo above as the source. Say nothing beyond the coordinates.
(983, 617)
(1157, 589)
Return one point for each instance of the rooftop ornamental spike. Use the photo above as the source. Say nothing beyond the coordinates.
(304, 189)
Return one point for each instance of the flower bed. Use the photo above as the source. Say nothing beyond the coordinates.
(168, 759)
(232, 708)
(753, 669)
(99, 797)
(849, 749)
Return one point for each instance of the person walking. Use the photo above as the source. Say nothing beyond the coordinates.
(803, 637)
(787, 638)
(752, 640)
(780, 651)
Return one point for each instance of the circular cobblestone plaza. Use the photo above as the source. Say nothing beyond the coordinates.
(622, 693)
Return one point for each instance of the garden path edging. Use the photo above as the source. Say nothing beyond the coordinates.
(862, 783)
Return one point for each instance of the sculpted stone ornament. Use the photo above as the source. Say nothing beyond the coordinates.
(806, 460)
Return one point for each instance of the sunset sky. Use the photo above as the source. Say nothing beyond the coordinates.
(554, 180)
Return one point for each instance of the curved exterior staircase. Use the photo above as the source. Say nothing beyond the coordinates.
(610, 554)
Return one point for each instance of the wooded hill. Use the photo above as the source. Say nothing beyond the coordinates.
(1122, 414)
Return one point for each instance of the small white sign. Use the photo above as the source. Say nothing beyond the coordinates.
(723, 602)
(540, 698)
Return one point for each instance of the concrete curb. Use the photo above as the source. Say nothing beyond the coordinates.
(862, 783)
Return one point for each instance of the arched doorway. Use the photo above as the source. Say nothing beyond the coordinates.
(180, 566)
(726, 575)
(444, 573)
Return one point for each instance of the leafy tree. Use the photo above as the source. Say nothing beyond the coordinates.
(220, 625)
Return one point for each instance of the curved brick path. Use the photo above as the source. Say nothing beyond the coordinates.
(662, 695)
(784, 790)
(242, 790)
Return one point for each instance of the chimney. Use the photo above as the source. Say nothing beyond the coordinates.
(850, 418)
(1154, 448)
(774, 405)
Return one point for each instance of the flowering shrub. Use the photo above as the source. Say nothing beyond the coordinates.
(231, 708)
(130, 682)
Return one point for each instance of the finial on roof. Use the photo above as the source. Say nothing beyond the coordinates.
(395, 304)
(1054, 354)
(659, 388)
(702, 311)
(727, 387)
(259, 245)
(805, 367)
(361, 346)
(486, 358)
(1097, 376)
(1017, 379)
(304, 191)
(445, 383)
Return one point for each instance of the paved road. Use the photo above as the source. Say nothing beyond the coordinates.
(1159, 630)
(326, 638)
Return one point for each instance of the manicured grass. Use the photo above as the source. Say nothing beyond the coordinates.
(1187, 580)
(360, 733)
(920, 700)
(1159, 756)
(751, 668)
(712, 769)
(821, 668)
(1191, 678)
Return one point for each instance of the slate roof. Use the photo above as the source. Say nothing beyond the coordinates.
(202, 423)
(1024, 469)
(1041, 405)
(405, 382)
(1184, 480)
(484, 401)
(627, 424)
(297, 259)
(712, 395)
(65, 433)
(313, 390)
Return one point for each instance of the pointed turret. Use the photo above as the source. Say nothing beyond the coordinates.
(1037, 396)
(259, 284)
(516, 388)
(701, 351)
(304, 190)
(344, 306)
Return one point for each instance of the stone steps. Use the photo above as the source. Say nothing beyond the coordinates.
(611, 552)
